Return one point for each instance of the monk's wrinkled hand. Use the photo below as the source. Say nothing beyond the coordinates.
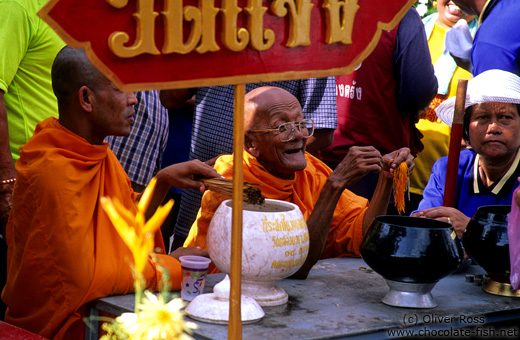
(182, 175)
(446, 214)
(181, 251)
(393, 159)
(359, 161)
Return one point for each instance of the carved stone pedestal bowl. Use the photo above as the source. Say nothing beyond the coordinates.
(275, 245)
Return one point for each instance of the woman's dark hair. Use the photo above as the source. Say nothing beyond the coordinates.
(467, 119)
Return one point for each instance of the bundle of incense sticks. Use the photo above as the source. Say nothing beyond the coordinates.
(252, 195)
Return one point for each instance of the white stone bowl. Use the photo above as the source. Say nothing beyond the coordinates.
(275, 245)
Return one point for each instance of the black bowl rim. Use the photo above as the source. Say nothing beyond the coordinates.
(442, 225)
(494, 205)
(483, 208)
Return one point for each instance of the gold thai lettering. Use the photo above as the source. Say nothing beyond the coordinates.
(202, 21)
(304, 238)
(282, 225)
(232, 38)
(261, 39)
(340, 17)
(209, 14)
(290, 240)
(285, 241)
(279, 264)
(299, 19)
(173, 15)
(145, 32)
(189, 28)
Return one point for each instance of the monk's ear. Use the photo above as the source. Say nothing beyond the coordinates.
(85, 98)
(251, 146)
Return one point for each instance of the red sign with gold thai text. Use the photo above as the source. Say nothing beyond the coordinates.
(158, 44)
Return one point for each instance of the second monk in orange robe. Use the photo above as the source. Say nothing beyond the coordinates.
(62, 248)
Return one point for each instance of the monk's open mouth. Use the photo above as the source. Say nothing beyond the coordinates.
(293, 151)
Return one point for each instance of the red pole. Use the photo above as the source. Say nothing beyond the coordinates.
(454, 150)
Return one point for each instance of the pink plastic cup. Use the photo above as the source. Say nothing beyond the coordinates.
(194, 271)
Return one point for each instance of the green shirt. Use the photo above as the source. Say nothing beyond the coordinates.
(27, 49)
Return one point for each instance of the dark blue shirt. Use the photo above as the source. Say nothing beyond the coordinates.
(497, 41)
(471, 192)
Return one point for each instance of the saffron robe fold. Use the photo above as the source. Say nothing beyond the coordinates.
(63, 251)
(345, 233)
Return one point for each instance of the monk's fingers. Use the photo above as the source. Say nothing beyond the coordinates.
(358, 166)
(363, 149)
(363, 152)
(197, 167)
(182, 175)
(374, 168)
(399, 156)
(188, 183)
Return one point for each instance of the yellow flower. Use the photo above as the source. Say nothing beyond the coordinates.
(154, 319)
(136, 232)
(157, 320)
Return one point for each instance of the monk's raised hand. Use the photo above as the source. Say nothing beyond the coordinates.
(359, 161)
(182, 175)
(393, 159)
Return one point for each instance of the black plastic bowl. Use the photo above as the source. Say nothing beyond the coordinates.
(485, 241)
(411, 249)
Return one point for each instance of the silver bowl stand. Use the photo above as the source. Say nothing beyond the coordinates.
(411, 295)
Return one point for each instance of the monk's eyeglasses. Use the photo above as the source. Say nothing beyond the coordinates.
(287, 131)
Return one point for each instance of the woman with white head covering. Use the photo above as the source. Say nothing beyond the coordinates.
(488, 171)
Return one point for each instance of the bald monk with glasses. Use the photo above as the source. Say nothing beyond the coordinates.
(274, 155)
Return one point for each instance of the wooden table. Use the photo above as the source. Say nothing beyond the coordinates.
(341, 299)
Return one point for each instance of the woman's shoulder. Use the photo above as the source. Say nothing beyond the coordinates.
(465, 156)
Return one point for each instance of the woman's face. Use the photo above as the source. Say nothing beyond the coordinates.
(449, 13)
(494, 130)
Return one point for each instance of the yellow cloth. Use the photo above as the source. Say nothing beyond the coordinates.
(62, 249)
(345, 234)
(436, 138)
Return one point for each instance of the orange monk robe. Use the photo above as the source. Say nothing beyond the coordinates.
(62, 249)
(345, 234)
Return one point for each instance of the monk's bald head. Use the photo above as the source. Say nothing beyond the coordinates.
(280, 151)
(71, 70)
(263, 102)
